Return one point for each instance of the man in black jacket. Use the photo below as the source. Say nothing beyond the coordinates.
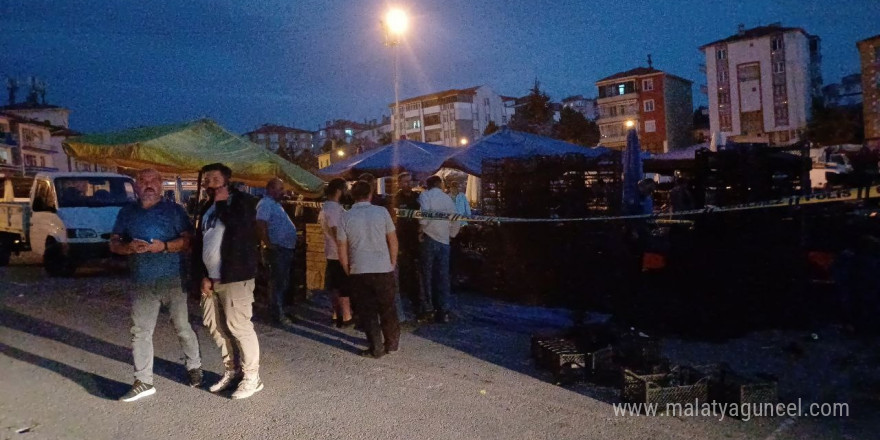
(226, 258)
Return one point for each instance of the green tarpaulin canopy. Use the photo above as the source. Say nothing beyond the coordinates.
(184, 148)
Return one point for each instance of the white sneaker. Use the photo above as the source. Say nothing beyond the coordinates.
(247, 388)
(229, 377)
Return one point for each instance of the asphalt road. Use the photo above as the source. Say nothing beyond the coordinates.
(66, 358)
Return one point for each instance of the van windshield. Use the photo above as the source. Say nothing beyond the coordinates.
(76, 192)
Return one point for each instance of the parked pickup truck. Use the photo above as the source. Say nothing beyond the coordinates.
(67, 219)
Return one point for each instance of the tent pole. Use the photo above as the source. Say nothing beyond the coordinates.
(198, 199)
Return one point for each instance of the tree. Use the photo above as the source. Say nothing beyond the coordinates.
(328, 145)
(536, 113)
(491, 127)
(306, 160)
(835, 125)
(574, 127)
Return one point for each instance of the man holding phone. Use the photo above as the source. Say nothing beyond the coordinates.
(155, 233)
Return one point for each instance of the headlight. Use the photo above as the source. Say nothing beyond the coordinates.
(81, 233)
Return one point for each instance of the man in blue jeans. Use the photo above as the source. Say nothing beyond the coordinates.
(155, 234)
(435, 296)
(278, 239)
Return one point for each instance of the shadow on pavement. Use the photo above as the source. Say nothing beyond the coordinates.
(94, 384)
(478, 330)
(77, 339)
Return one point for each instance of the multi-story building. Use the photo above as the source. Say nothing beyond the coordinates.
(658, 104)
(280, 138)
(869, 52)
(28, 146)
(584, 106)
(761, 83)
(453, 117)
(847, 93)
(339, 131)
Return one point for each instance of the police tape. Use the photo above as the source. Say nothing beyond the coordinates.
(840, 195)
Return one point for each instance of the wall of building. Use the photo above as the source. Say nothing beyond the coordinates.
(759, 94)
(869, 52)
(679, 104)
(653, 142)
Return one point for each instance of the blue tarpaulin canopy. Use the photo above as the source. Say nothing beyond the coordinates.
(632, 172)
(507, 143)
(419, 158)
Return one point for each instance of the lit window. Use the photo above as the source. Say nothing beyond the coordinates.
(648, 84)
(621, 89)
(650, 126)
(349, 132)
(649, 105)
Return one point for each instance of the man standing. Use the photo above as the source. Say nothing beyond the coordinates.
(330, 220)
(434, 252)
(226, 263)
(278, 239)
(368, 253)
(155, 233)
(408, 236)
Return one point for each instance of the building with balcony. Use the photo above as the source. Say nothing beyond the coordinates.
(452, 118)
(338, 132)
(761, 83)
(869, 53)
(277, 138)
(28, 146)
(658, 104)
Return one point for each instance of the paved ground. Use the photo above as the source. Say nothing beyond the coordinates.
(65, 359)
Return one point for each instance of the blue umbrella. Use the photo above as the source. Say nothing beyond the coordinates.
(419, 158)
(632, 173)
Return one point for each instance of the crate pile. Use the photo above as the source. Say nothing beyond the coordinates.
(632, 362)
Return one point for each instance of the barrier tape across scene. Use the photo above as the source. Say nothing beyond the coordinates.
(840, 195)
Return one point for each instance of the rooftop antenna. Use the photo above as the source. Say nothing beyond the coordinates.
(650, 63)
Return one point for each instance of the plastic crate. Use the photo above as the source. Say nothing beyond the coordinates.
(682, 385)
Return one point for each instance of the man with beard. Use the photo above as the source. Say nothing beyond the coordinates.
(408, 236)
(226, 263)
(155, 233)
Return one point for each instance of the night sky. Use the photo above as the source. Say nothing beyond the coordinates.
(119, 64)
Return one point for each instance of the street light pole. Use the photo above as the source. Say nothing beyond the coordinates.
(395, 24)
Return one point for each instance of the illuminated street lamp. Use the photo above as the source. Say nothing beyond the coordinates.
(630, 124)
(340, 153)
(395, 24)
(463, 141)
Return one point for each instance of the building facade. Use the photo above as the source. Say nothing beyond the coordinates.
(277, 138)
(338, 132)
(452, 118)
(29, 146)
(869, 52)
(761, 83)
(584, 106)
(847, 93)
(658, 104)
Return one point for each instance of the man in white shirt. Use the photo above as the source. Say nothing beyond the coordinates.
(434, 252)
(330, 220)
(368, 254)
(278, 239)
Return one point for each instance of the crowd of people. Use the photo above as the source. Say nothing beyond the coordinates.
(372, 258)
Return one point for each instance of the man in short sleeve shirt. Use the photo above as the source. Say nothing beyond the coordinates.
(368, 253)
(155, 234)
(278, 237)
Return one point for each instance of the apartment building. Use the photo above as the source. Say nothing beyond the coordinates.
(869, 53)
(452, 117)
(277, 138)
(658, 104)
(761, 83)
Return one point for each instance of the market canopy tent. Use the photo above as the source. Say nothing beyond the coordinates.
(185, 148)
(419, 158)
(507, 143)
